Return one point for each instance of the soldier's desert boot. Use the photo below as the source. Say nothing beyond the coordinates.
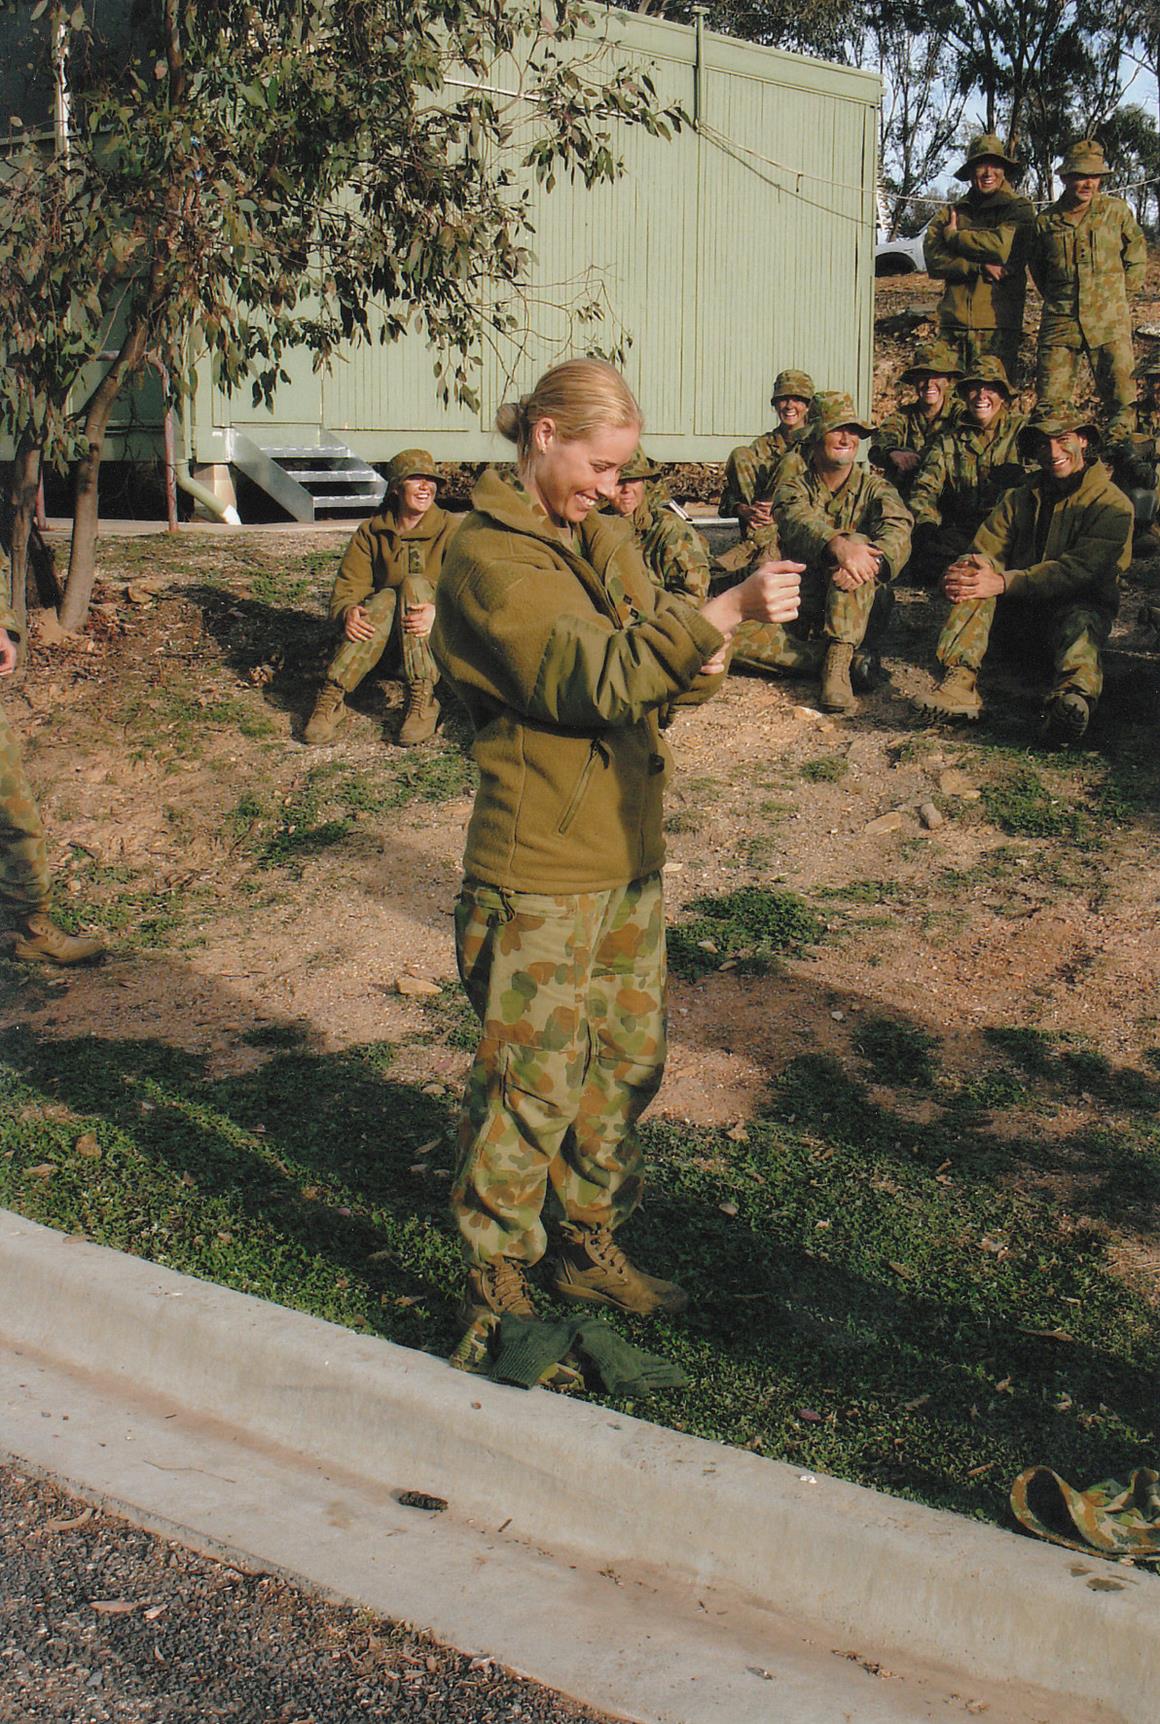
(837, 693)
(421, 716)
(42, 942)
(329, 711)
(592, 1269)
(956, 695)
(496, 1288)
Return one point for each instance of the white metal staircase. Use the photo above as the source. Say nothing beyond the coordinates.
(310, 480)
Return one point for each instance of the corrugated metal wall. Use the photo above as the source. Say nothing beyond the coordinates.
(728, 253)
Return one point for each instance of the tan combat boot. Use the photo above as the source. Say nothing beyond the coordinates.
(329, 711)
(42, 942)
(592, 1269)
(956, 695)
(837, 694)
(421, 716)
(494, 1289)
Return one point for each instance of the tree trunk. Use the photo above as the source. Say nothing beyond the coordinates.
(22, 501)
(82, 562)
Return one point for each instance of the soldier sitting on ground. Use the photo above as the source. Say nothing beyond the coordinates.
(965, 471)
(1135, 459)
(902, 439)
(1045, 565)
(751, 472)
(852, 531)
(978, 246)
(674, 553)
(25, 885)
(384, 595)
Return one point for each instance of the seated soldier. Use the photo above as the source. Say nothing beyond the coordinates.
(965, 471)
(1045, 565)
(385, 595)
(904, 436)
(751, 471)
(1135, 459)
(852, 531)
(674, 553)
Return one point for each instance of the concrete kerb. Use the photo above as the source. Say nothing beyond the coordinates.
(860, 1564)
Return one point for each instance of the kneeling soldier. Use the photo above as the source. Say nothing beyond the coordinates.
(852, 531)
(900, 442)
(751, 471)
(965, 471)
(1135, 459)
(1048, 560)
(675, 555)
(385, 595)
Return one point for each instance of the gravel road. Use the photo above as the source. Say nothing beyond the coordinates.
(101, 1623)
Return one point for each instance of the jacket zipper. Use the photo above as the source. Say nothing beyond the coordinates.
(596, 751)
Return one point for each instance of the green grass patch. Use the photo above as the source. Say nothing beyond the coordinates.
(826, 769)
(1023, 805)
(898, 1054)
(751, 927)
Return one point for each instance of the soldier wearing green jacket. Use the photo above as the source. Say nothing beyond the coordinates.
(563, 651)
(751, 471)
(902, 439)
(1045, 565)
(25, 882)
(851, 529)
(1087, 259)
(965, 471)
(674, 553)
(1135, 459)
(384, 597)
(978, 247)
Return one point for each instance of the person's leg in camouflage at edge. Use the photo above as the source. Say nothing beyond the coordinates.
(570, 995)
(25, 882)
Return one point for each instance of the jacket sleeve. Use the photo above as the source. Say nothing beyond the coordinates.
(1135, 254)
(561, 668)
(926, 493)
(941, 255)
(682, 559)
(355, 580)
(740, 480)
(1098, 552)
(1005, 243)
(891, 434)
(803, 528)
(1036, 253)
(892, 524)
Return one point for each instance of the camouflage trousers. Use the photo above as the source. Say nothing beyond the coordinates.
(971, 345)
(1062, 346)
(1070, 634)
(827, 614)
(570, 993)
(24, 879)
(356, 659)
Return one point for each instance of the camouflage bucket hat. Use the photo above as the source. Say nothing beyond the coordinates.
(1084, 157)
(988, 369)
(832, 409)
(933, 359)
(411, 464)
(639, 467)
(1048, 421)
(797, 383)
(986, 147)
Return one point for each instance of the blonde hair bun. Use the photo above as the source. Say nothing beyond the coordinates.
(579, 395)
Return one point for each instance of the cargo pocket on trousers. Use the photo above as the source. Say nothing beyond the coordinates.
(536, 1094)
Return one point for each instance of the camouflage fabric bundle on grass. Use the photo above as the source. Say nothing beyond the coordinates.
(1114, 1518)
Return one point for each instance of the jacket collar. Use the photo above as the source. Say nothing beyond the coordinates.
(431, 524)
(598, 540)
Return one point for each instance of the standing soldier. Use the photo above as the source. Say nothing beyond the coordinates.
(902, 439)
(1135, 459)
(852, 531)
(385, 595)
(1087, 259)
(966, 471)
(674, 553)
(1048, 560)
(25, 887)
(751, 471)
(978, 246)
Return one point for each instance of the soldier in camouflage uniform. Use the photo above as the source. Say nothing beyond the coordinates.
(966, 471)
(384, 596)
(852, 531)
(674, 553)
(978, 246)
(1135, 459)
(751, 472)
(1087, 259)
(25, 884)
(1045, 564)
(900, 442)
(563, 650)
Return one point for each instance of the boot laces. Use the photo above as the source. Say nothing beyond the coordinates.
(603, 1249)
(508, 1288)
(418, 696)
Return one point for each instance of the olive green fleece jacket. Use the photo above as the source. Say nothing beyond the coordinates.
(1086, 548)
(562, 657)
(380, 555)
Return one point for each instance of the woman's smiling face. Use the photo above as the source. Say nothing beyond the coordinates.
(570, 476)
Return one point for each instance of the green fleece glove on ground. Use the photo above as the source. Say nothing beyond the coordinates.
(525, 1350)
